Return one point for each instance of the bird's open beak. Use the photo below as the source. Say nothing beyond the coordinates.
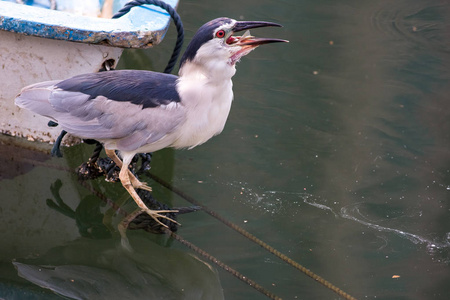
(248, 40)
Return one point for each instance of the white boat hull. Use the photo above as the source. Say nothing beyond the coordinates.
(25, 60)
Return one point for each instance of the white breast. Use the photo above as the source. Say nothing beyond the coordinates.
(207, 106)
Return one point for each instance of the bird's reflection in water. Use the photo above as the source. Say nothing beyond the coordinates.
(97, 266)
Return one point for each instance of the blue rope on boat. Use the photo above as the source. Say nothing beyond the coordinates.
(175, 17)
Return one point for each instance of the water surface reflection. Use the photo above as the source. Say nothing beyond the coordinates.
(336, 153)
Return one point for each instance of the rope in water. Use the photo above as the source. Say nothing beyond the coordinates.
(254, 239)
(224, 266)
(175, 17)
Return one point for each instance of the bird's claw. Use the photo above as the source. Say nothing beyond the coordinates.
(143, 186)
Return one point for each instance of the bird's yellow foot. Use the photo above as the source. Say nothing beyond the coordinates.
(155, 214)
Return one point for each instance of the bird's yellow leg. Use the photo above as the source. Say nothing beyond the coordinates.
(124, 177)
(134, 181)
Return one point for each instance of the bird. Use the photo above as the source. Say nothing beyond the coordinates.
(138, 111)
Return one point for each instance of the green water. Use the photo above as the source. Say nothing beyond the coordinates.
(336, 153)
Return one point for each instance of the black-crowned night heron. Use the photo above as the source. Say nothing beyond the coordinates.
(142, 111)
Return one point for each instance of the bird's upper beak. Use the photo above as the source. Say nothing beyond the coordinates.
(246, 39)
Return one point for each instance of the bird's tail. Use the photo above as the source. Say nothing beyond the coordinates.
(35, 97)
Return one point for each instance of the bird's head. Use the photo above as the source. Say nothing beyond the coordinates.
(215, 47)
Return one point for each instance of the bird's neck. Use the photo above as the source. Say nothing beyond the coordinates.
(215, 71)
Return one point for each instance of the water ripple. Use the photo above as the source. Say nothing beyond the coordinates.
(439, 248)
(281, 202)
(424, 24)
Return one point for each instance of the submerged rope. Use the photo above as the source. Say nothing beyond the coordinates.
(175, 17)
(224, 266)
(254, 239)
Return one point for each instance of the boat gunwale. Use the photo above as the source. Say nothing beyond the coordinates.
(142, 27)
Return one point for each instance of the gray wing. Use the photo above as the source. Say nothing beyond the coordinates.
(102, 119)
(89, 116)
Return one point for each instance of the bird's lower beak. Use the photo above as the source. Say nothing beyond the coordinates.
(246, 43)
(254, 42)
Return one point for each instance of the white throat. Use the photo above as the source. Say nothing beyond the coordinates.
(213, 70)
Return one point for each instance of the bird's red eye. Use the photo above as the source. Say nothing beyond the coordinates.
(220, 33)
